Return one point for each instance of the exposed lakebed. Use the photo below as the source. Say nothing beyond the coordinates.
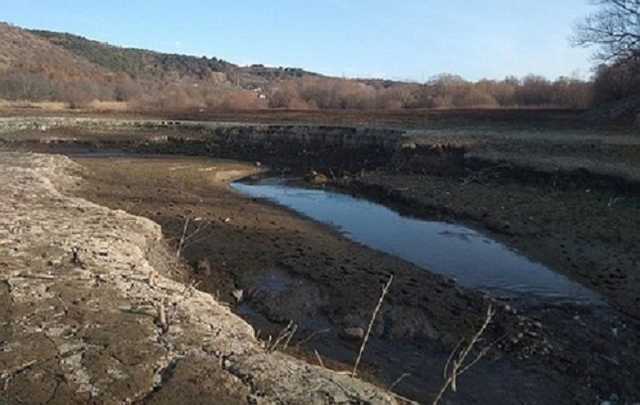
(471, 258)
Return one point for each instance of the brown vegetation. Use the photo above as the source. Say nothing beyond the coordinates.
(443, 91)
(47, 66)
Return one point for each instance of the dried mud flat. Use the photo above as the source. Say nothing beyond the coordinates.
(294, 269)
(289, 268)
(94, 312)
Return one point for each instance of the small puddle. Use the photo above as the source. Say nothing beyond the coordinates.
(469, 257)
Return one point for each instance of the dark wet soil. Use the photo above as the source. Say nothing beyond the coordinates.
(471, 258)
(590, 235)
(565, 198)
(289, 268)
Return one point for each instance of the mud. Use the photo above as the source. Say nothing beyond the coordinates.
(87, 318)
(293, 269)
(550, 194)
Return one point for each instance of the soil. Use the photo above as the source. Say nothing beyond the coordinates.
(95, 309)
(286, 267)
(565, 196)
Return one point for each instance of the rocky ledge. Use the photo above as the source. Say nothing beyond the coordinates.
(93, 310)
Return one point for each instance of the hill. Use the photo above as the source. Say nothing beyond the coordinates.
(40, 65)
(150, 65)
(34, 68)
(37, 65)
(137, 63)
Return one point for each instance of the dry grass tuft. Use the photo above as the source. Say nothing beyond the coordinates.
(283, 339)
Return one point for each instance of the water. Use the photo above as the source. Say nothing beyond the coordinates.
(469, 257)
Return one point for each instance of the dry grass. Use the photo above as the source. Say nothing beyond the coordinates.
(35, 105)
(374, 315)
(282, 340)
(97, 105)
(457, 363)
(93, 106)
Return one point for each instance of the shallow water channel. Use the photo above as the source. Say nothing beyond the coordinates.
(469, 257)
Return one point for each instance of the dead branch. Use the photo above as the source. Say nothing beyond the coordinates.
(189, 238)
(457, 364)
(385, 290)
(283, 339)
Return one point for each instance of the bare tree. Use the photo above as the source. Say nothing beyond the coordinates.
(614, 29)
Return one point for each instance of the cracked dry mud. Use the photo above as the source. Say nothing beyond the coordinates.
(83, 292)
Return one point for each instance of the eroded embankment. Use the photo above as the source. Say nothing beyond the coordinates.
(86, 316)
(532, 190)
(291, 269)
(566, 159)
(587, 231)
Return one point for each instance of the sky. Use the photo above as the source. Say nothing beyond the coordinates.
(401, 40)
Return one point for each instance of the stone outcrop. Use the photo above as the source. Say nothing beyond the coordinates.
(92, 309)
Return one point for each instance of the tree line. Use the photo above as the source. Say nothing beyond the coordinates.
(613, 30)
(442, 91)
(307, 92)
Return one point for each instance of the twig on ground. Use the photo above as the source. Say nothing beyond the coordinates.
(398, 381)
(182, 238)
(18, 369)
(456, 364)
(385, 290)
(319, 359)
(36, 276)
(7, 375)
(283, 339)
(187, 238)
(311, 336)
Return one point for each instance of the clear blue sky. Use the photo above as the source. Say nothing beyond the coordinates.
(402, 39)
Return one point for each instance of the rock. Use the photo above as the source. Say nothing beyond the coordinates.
(316, 178)
(352, 333)
(238, 295)
(408, 146)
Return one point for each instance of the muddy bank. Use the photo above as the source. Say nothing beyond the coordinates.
(435, 246)
(94, 311)
(606, 160)
(587, 234)
(291, 269)
(567, 199)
